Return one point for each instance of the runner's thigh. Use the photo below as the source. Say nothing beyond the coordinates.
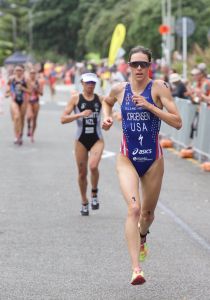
(151, 184)
(81, 155)
(23, 109)
(129, 179)
(15, 110)
(96, 153)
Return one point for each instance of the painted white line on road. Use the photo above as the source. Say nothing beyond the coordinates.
(196, 237)
(64, 88)
(59, 103)
(62, 103)
(22, 149)
(107, 154)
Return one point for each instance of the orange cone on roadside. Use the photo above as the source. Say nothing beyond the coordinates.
(186, 153)
(166, 143)
(206, 166)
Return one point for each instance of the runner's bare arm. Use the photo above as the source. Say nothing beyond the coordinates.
(162, 95)
(26, 89)
(110, 100)
(68, 117)
(108, 103)
(101, 98)
(8, 90)
(40, 88)
(171, 116)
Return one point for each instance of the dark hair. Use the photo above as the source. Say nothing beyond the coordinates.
(140, 49)
(20, 66)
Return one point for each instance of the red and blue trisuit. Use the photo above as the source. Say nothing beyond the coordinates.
(141, 127)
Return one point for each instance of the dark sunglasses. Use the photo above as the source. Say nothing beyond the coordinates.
(90, 82)
(136, 64)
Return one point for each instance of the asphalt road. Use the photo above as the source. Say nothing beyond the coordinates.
(48, 251)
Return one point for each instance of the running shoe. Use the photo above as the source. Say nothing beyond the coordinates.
(94, 202)
(84, 210)
(32, 138)
(143, 252)
(137, 277)
(20, 141)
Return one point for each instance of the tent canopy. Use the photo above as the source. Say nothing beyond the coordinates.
(18, 58)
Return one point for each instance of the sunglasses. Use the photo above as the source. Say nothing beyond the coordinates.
(136, 64)
(90, 82)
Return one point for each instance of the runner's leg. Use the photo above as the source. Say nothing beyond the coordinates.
(130, 190)
(151, 185)
(81, 155)
(22, 118)
(16, 117)
(94, 159)
(29, 118)
(34, 120)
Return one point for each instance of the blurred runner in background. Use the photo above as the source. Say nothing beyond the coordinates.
(17, 88)
(33, 105)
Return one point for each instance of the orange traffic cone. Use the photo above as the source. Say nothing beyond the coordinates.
(186, 153)
(166, 143)
(206, 166)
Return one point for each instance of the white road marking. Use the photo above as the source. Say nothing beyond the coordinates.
(194, 235)
(107, 154)
(22, 149)
(64, 88)
(61, 103)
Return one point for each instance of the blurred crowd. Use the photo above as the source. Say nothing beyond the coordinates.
(196, 88)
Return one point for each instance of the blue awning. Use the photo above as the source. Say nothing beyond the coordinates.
(18, 58)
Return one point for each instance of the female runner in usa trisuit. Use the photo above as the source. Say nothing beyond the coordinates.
(141, 160)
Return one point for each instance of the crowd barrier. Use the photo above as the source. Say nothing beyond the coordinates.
(181, 138)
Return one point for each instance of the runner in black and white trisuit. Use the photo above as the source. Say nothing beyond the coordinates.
(89, 142)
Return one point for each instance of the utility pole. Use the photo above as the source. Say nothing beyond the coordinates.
(168, 41)
(30, 26)
(184, 46)
(14, 31)
(179, 17)
(166, 38)
(163, 9)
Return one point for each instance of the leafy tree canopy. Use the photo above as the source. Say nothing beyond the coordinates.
(73, 28)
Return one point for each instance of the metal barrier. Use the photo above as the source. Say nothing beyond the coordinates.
(201, 143)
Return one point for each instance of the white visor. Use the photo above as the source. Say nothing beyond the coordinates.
(87, 77)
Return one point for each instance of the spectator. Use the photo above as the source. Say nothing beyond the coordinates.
(203, 84)
(178, 88)
(199, 92)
